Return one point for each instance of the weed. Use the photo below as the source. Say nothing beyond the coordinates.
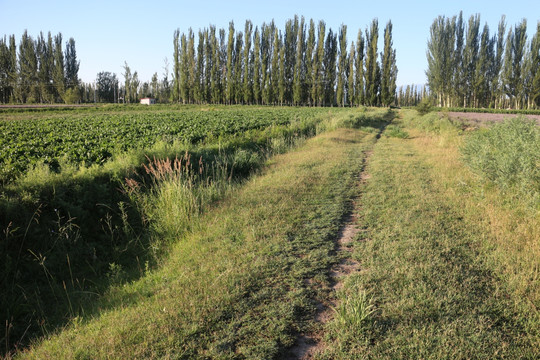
(353, 312)
(395, 131)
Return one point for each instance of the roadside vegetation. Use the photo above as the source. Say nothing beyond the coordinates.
(224, 248)
(448, 259)
(71, 234)
(237, 280)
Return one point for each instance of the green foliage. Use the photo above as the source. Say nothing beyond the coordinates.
(507, 154)
(395, 131)
(353, 312)
(433, 122)
(426, 255)
(71, 229)
(424, 106)
(91, 138)
(72, 96)
(235, 284)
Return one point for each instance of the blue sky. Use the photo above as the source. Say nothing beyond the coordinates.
(107, 33)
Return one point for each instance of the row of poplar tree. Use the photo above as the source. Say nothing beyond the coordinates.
(40, 71)
(302, 65)
(467, 67)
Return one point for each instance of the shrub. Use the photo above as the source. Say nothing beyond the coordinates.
(424, 106)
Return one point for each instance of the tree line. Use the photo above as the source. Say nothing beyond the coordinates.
(38, 70)
(411, 95)
(303, 64)
(467, 67)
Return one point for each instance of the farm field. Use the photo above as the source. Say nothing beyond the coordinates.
(92, 135)
(224, 242)
(484, 119)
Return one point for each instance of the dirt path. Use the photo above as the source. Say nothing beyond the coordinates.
(309, 345)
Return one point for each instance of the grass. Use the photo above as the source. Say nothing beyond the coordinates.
(234, 283)
(448, 261)
(450, 267)
(68, 235)
(508, 155)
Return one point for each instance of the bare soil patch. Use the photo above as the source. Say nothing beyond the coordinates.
(484, 119)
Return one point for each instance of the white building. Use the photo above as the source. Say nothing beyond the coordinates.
(148, 101)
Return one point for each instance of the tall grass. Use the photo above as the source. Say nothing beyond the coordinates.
(172, 193)
(508, 155)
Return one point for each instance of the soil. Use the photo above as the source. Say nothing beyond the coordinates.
(483, 119)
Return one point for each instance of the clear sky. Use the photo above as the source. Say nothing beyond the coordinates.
(107, 33)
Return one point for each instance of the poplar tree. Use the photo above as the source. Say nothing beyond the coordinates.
(229, 84)
(497, 86)
(351, 96)
(373, 73)
(441, 67)
(342, 66)
(199, 93)
(275, 66)
(45, 66)
(281, 82)
(237, 76)
(8, 68)
(389, 68)
(176, 69)
(134, 91)
(513, 62)
(458, 78)
(359, 70)
(329, 68)
(208, 55)
(257, 67)
(267, 43)
(470, 58)
(28, 67)
(317, 89)
(290, 39)
(298, 66)
(483, 65)
(154, 86)
(248, 71)
(184, 69)
(127, 83)
(310, 50)
(216, 67)
(535, 67)
(193, 84)
(72, 65)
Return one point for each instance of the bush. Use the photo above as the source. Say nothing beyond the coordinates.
(424, 106)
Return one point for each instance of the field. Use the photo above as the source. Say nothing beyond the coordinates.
(269, 233)
(483, 119)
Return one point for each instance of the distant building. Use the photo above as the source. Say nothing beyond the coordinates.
(148, 101)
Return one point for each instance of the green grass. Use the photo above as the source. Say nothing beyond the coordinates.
(205, 243)
(68, 234)
(235, 285)
(508, 155)
(440, 267)
(448, 262)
